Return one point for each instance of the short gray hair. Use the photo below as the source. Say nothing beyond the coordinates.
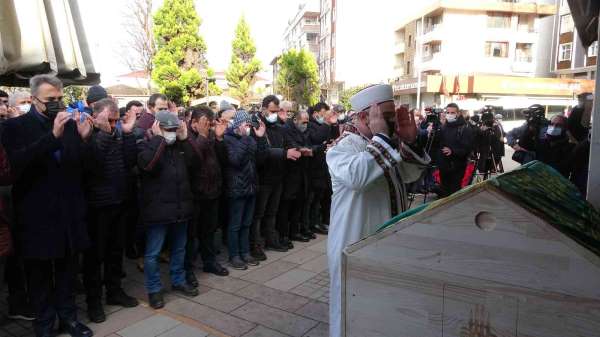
(12, 99)
(36, 82)
(286, 105)
(105, 103)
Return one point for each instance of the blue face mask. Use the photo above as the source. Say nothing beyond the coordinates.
(554, 131)
(320, 120)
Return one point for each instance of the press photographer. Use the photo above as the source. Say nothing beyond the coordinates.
(525, 140)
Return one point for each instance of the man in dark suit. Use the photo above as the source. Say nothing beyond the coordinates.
(46, 149)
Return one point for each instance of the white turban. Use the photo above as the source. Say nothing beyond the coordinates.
(378, 93)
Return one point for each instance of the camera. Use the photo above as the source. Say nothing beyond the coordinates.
(534, 114)
(487, 118)
(433, 115)
(255, 121)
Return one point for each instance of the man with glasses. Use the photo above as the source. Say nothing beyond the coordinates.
(46, 148)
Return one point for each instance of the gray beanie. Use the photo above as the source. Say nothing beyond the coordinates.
(240, 117)
(224, 106)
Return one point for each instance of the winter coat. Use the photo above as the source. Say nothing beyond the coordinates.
(166, 196)
(241, 177)
(318, 136)
(296, 183)
(108, 181)
(557, 153)
(48, 194)
(272, 170)
(456, 136)
(6, 241)
(205, 170)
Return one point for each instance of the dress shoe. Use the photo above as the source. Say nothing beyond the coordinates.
(76, 329)
(251, 261)
(299, 237)
(310, 235)
(319, 230)
(258, 253)
(286, 242)
(216, 268)
(119, 297)
(191, 279)
(96, 312)
(238, 263)
(276, 247)
(156, 300)
(186, 290)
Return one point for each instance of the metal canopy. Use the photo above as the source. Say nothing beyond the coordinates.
(43, 37)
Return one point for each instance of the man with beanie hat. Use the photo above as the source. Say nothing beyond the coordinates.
(241, 184)
(95, 93)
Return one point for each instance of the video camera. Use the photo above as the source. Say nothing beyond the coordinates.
(433, 115)
(534, 114)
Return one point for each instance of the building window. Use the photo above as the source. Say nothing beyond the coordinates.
(593, 49)
(311, 37)
(524, 52)
(564, 52)
(496, 49)
(409, 41)
(407, 70)
(499, 20)
(566, 24)
(526, 23)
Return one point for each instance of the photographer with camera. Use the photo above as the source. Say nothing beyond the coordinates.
(525, 140)
(489, 144)
(429, 139)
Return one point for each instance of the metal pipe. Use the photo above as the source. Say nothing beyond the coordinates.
(593, 187)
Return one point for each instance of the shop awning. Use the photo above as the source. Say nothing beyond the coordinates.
(43, 37)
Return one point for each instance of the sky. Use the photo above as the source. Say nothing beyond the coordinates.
(103, 22)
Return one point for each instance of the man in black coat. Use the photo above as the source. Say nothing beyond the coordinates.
(46, 148)
(114, 156)
(455, 148)
(271, 174)
(167, 203)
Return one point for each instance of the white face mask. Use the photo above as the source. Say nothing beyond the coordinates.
(451, 117)
(320, 120)
(272, 118)
(24, 108)
(554, 130)
(170, 136)
(248, 131)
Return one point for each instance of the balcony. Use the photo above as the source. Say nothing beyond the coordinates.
(523, 64)
(432, 33)
(431, 62)
(399, 47)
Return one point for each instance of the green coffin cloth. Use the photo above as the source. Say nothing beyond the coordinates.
(544, 192)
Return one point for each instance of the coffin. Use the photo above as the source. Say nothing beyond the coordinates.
(517, 255)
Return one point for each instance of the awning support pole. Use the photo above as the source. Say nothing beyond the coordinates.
(593, 187)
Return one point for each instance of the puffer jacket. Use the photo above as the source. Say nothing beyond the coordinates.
(166, 196)
(241, 176)
(318, 136)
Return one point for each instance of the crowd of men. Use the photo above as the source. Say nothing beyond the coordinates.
(83, 184)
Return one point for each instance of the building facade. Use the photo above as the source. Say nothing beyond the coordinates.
(479, 52)
(571, 59)
(302, 31)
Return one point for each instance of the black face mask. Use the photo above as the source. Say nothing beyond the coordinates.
(53, 108)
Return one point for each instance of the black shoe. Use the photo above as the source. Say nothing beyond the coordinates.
(309, 235)
(76, 329)
(276, 247)
(251, 261)
(319, 230)
(186, 290)
(258, 253)
(120, 298)
(216, 269)
(191, 279)
(238, 263)
(79, 288)
(299, 237)
(156, 300)
(285, 242)
(96, 312)
(21, 310)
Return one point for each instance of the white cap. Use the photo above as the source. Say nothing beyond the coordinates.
(377, 93)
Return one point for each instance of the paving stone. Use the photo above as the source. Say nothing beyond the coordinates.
(321, 330)
(269, 272)
(318, 311)
(230, 325)
(275, 319)
(273, 297)
(301, 256)
(228, 284)
(123, 319)
(290, 279)
(317, 264)
(184, 330)
(261, 331)
(320, 246)
(219, 300)
(152, 326)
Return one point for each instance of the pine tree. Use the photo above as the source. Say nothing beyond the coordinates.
(244, 64)
(298, 77)
(179, 64)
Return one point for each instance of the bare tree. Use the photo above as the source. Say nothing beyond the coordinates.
(139, 47)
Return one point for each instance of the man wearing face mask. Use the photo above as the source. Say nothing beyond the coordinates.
(47, 148)
(167, 203)
(20, 102)
(156, 103)
(555, 150)
(114, 156)
(241, 184)
(455, 147)
(271, 174)
(525, 139)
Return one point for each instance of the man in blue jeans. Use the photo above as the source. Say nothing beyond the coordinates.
(167, 203)
(241, 184)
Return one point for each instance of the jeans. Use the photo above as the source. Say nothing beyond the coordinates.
(241, 210)
(51, 290)
(107, 230)
(202, 229)
(265, 213)
(155, 237)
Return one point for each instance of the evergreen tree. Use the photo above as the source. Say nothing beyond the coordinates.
(298, 77)
(179, 64)
(244, 64)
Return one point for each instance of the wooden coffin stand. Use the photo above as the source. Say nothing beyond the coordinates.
(517, 255)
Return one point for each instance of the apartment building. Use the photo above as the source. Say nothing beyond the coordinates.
(302, 31)
(570, 58)
(478, 52)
